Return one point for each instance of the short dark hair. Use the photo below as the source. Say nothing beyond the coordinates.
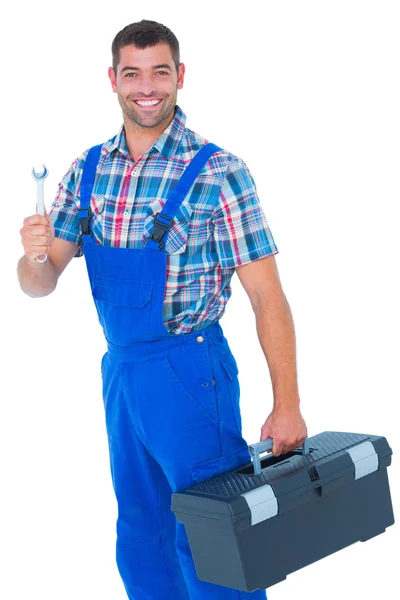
(143, 34)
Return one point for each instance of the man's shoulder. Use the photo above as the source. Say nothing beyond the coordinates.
(104, 149)
(220, 161)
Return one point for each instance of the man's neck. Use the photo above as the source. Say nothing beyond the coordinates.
(140, 139)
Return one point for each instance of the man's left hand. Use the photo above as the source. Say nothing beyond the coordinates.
(286, 427)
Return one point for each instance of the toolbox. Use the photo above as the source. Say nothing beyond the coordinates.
(250, 527)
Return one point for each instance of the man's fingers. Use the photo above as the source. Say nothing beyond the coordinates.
(36, 220)
(29, 233)
(287, 446)
(37, 240)
(284, 446)
(37, 235)
(35, 230)
(277, 447)
(35, 252)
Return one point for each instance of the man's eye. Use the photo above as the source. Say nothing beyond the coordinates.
(162, 73)
(131, 74)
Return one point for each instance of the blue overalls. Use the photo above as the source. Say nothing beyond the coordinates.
(171, 405)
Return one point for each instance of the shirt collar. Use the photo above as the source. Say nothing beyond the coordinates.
(168, 142)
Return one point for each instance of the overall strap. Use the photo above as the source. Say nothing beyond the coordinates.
(172, 204)
(88, 175)
(178, 194)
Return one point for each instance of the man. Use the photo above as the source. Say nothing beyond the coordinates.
(164, 219)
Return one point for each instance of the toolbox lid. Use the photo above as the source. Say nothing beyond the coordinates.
(335, 458)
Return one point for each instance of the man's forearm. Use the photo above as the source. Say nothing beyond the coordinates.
(275, 329)
(36, 280)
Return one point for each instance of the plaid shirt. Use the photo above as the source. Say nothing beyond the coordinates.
(219, 226)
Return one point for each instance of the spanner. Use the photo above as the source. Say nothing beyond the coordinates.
(40, 177)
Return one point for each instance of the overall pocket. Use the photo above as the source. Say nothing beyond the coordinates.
(192, 376)
(123, 307)
(231, 372)
(220, 464)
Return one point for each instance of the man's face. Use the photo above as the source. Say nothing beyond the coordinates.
(147, 84)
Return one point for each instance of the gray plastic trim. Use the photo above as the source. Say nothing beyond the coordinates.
(262, 503)
(365, 459)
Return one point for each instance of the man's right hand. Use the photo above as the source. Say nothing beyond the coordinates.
(38, 238)
(37, 235)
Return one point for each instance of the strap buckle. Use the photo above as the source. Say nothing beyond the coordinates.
(160, 228)
(85, 221)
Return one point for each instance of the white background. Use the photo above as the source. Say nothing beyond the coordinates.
(307, 93)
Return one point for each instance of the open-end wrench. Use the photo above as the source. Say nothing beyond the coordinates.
(40, 176)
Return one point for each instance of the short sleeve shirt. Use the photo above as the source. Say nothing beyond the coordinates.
(219, 226)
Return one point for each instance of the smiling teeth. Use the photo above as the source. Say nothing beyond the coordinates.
(147, 102)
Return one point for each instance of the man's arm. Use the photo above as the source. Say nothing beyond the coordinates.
(38, 237)
(275, 326)
(276, 333)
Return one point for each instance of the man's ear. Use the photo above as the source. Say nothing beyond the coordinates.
(112, 76)
(181, 76)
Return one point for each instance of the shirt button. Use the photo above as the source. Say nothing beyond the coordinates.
(200, 339)
(126, 214)
(134, 172)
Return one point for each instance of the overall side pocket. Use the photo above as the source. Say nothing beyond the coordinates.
(192, 374)
(220, 464)
(231, 372)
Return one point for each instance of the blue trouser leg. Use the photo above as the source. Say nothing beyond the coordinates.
(145, 549)
(169, 427)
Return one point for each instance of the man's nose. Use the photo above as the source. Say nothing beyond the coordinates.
(147, 86)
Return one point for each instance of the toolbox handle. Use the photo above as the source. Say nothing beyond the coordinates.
(256, 449)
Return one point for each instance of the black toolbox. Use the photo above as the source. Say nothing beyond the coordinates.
(252, 526)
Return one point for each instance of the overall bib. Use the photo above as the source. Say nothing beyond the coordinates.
(171, 405)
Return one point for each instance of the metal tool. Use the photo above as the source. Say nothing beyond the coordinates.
(40, 176)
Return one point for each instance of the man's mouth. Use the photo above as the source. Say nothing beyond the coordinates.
(145, 103)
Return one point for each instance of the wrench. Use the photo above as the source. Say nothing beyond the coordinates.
(40, 177)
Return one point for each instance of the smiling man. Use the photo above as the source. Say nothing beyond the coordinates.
(142, 105)
(164, 219)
